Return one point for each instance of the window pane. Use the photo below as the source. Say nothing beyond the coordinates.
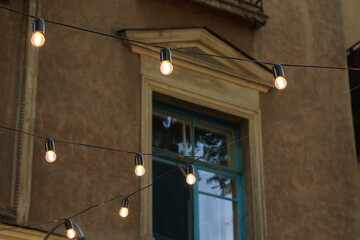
(216, 218)
(171, 134)
(217, 184)
(172, 205)
(211, 143)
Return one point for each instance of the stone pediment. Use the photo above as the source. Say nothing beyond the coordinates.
(248, 74)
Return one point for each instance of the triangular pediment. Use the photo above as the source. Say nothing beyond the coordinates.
(249, 74)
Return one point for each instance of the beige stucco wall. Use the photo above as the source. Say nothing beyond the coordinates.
(88, 91)
(350, 10)
(310, 166)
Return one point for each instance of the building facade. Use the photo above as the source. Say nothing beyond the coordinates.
(274, 164)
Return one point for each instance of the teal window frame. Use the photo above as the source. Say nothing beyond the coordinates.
(235, 173)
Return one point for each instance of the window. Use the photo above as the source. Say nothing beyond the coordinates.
(214, 207)
(354, 82)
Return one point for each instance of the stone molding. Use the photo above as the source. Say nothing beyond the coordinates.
(25, 234)
(231, 87)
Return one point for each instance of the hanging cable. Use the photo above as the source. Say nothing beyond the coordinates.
(119, 150)
(178, 50)
(166, 174)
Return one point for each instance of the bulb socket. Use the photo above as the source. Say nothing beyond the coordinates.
(278, 71)
(49, 145)
(190, 169)
(125, 202)
(39, 25)
(139, 159)
(165, 54)
(68, 224)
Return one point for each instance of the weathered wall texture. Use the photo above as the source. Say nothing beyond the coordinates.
(11, 68)
(311, 178)
(89, 91)
(350, 9)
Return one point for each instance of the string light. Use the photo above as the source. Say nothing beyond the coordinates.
(70, 232)
(50, 154)
(124, 210)
(280, 81)
(38, 35)
(69, 226)
(38, 40)
(166, 66)
(190, 177)
(139, 165)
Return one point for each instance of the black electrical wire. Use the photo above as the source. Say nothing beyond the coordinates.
(176, 49)
(90, 145)
(163, 176)
(168, 173)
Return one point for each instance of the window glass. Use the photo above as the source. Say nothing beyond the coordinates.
(216, 184)
(211, 142)
(172, 206)
(192, 137)
(216, 219)
(171, 133)
(208, 210)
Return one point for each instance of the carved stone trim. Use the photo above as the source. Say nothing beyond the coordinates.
(26, 122)
(25, 234)
(203, 85)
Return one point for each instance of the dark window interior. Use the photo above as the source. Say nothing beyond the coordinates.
(354, 78)
(172, 208)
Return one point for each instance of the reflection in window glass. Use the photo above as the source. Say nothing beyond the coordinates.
(212, 146)
(217, 224)
(171, 134)
(216, 184)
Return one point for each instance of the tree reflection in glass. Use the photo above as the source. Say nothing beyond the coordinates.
(171, 134)
(216, 184)
(211, 146)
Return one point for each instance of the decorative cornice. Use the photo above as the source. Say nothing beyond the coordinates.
(247, 74)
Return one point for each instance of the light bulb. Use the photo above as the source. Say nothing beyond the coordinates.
(279, 75)
(124, 212)
(280, 83)
(37, 39)
(190, 179)
(139, 170)
(70, 233)
(166, 67)
(50, 156)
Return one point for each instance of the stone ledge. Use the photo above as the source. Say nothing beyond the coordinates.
(229, 10)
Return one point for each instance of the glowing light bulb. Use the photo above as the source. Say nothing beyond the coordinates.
(70, 233)
(124, 212)
(139, 165)
(37, 39)
(50, 156)
(166, 67)
(38, 35)
(139, 170)
(191, 179)
(280, 83)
